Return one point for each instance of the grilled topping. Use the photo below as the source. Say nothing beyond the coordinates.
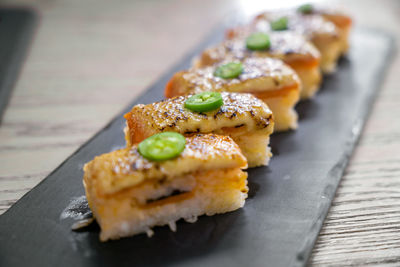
(307, 24)
(201, 80)
(170, 114)
(124, 168)
(283, 44)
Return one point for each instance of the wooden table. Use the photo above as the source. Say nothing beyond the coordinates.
(89, 59)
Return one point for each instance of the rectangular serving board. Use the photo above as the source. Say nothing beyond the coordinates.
(16, 29)
(287, 203)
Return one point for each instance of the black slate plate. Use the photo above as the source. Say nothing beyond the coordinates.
(16, 28)
(281, 219)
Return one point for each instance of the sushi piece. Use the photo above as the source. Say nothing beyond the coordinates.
(129, 194)
(243, 117)
(341, 20)
(268, 79)
(292, 48)
(322, 33)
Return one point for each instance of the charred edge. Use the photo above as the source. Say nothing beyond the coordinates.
(220, 111)
(172, 125)
(289, 52)
(134, 166)
(264, 122)
(203, 114)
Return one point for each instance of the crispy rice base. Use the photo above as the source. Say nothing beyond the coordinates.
(133, 210)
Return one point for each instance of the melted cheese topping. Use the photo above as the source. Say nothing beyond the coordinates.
(125, 168)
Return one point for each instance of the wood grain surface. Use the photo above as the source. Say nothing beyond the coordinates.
(89, 59)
